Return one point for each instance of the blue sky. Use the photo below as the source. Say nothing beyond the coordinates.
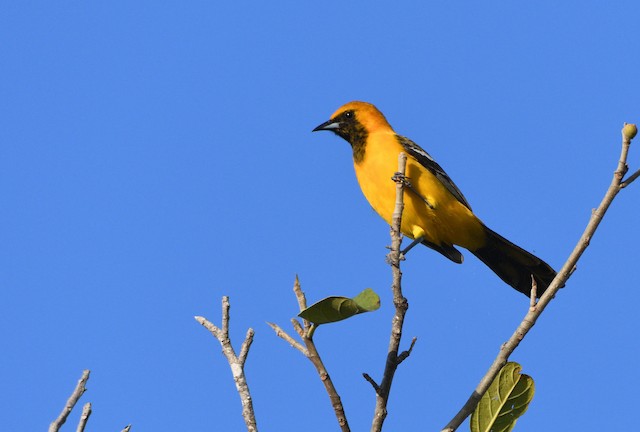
(157, 155)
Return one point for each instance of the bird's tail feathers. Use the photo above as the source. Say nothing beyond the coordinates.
(514, 265)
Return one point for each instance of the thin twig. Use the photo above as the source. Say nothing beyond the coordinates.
(302, 302)
(71, 402)
(630, 179)
(84, 417)
(309, 351)
(235, 362)
(244, 349)
(284, 335)
(563, 275)
(297, 290)
(225, 315)
(370, 380)
(298, 327)
(534, 293)
(405, 354)
(399, 301)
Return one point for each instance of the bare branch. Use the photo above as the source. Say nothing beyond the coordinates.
(563, 275)
(284, 335)
(298, 327)
(403, 356)
(71, 402)
(84, 417)
(630, 179)
(236, 363)
(399, 301)
(534, 293)
(371, 381)
(225, 315)
(215, 331)
(244, 350)
(309, 351)
(334, 397)
(302, 302)
(629, 132)
(302, 299)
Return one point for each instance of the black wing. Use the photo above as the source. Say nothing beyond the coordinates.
(427, 161)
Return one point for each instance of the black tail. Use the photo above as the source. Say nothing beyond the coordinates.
(514, 265)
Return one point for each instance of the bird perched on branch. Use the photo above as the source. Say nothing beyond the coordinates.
(436, 213)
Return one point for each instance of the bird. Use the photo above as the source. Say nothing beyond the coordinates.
(435, 214)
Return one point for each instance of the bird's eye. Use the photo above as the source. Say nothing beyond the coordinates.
(348, 114)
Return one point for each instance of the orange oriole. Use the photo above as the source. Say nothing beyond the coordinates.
(436, 213)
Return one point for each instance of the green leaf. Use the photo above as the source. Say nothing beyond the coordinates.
(332, 309)
(367, 300)
(506, 400)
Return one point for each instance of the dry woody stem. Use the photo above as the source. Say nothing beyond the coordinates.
(400, 302)
(235, 362)
(71, 402)
(617, 184)
(84, 417)
(309, 350)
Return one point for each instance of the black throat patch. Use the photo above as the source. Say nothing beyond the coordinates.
(354, 133)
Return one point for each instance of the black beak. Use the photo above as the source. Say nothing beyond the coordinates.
(330, 125)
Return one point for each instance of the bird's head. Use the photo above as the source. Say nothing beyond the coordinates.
(354, 122)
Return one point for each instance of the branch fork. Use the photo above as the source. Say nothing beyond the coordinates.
(236, 362)
(536, 308)
(309, 350)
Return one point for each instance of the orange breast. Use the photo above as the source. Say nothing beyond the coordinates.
(447, 220)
